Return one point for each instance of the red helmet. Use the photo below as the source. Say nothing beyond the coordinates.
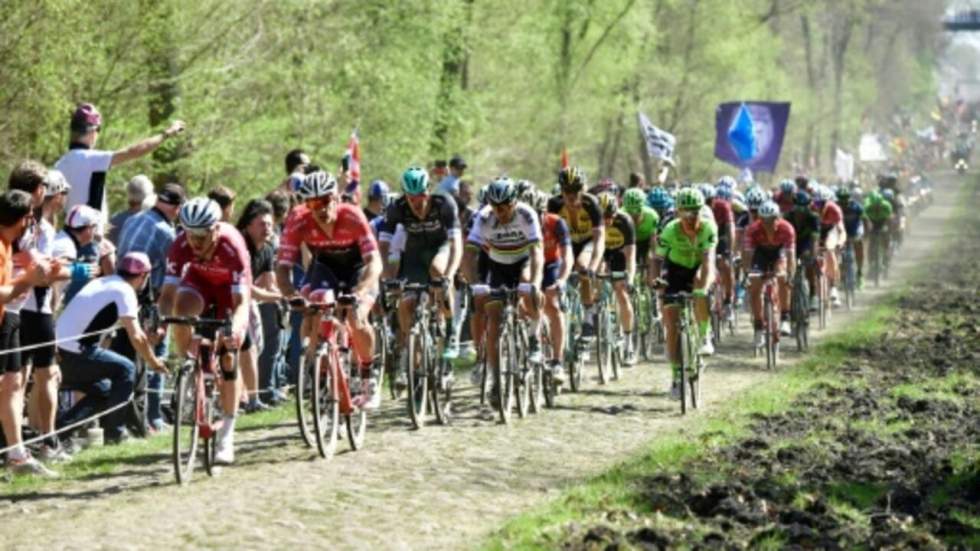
(134, 263)
(86, 118)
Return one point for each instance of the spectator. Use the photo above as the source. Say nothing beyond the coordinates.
(637, 180)
(225, 198)
(281, 203)
(85, 167)
(438, 171)
(106, 378)
(297, 163)
(139, 197)
(378, 195)
(16, 207)
(75, 245)
(450, 184)
(256, 226)
(152, 232)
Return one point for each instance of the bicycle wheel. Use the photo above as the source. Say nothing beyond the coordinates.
(304, 397)
(186, 408)
(823, 302)
(767, 307)
(441, 391)
(356, 420)
(535, 382)
(418, 381)
(716, 317)
(772, 352)
(503, 375)
(684, 349)
(602, 345)
(573, 366)
(695, 381)
(548, 388)
(615, 350)
(521, 375)
(209, 425)
(326, 406)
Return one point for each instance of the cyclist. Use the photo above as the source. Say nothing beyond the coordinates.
(897, 222)
(686, 251)
(378, 198)
(770, 244)
(620, 256)
(581, 212)
(662, 203)
(721, 207)
(606, 185)
(806, 225)
(208, 267)
(510, 232)
(345, 259)
(878, 213)
(558, 262)
(785, 195)
(432, 237)
(645, 222)
(832, 236)
(853, 219)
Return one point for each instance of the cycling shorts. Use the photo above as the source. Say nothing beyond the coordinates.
(642, 251)
(551, 273)
(10, 362)
(415, 264)
(35, 329)
(582, 251)
(679, 279)
(483, 266)
(724, 247)
(768, 259)
(615, 260)
(506, 275)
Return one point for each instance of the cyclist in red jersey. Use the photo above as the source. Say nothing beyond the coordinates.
(725, 220)
(558, 261)
(784, 197)
(770, 243)
(832, 236)
(345, 259)
(209, 266)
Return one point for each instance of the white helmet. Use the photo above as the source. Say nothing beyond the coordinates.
(200, 212)
(769, 209)
(317, 184)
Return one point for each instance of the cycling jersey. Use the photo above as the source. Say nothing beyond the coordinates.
(831, 214)
(782, 237)
(785, 202)
(620, 233)
(853, 215)
(677, 247)
(554, 232)
(722, 211)
(587, 216)
(806, 224)
(439, 225)
(646, 224)
(352, 240)
(215, 279)
(878, 212)
(506, 243)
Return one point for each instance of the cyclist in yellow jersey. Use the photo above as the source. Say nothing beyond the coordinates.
(581, 212)
(620, 256)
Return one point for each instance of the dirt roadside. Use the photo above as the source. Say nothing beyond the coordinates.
(436, 488)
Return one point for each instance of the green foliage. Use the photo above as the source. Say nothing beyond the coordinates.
(505, 83)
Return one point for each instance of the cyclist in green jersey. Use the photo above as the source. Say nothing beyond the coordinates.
(645, 222)
(879, 213)
(686, 251)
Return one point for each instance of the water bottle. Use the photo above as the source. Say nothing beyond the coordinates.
(95, 437)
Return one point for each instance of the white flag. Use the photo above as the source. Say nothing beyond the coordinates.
(660, 144)
(870, 149)
(844, 166)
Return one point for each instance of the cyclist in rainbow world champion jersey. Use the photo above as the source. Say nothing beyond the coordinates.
(510, 233)
(686, 250)
(208, 266)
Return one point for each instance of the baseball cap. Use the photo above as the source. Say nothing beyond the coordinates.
(55, 183)
(457, 162)
(85, 118)
(139, 188)
(82, 216)
(172, 194)
(134, 263)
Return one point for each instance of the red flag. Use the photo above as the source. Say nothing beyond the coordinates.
(564, 158)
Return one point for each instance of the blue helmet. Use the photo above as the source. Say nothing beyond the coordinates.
(378, 190)
(787, 186)
(658, 198)
(801, 199)
(727, 180)
(724, 190)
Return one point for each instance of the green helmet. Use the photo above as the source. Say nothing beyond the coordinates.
(689, 198)
(415, 181)
(633, 201)
(875, 197)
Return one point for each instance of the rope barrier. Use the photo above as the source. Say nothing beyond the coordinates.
(72, 426)
(59, 341)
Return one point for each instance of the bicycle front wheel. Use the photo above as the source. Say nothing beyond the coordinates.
(418, 380)
(186, 406)
(326, 405)
(504, 375)
(304, 398)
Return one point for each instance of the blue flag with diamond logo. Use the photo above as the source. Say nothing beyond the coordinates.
(749, 134)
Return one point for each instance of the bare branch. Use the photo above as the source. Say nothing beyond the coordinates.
(602, 38)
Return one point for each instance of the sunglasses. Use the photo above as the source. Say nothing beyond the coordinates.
(320, 202)
(198, 234)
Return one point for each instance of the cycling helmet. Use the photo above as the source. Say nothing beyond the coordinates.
(755, 197)
(608, 204)
(801, 199)
(689, 198)
(502, 190)
(787, 186)
(86, 118)
(875, 196)
(659, 199)
(134, 263)
(540, 201)
(707, 191)
(633, 201)
(415, 181)
(379, 190)
(769, 209)
(828, 193)
(843, 194)
(888, 194)
(724, 191)
(727, 180)
(200, 213)
(522, 187)
(571, 179)
(317, 184)
(55, 183)
(605, 185)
